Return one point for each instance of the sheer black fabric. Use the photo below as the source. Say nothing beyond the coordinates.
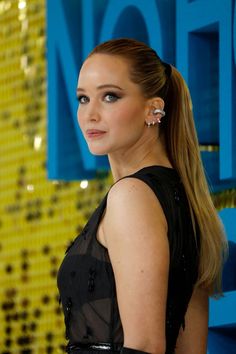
(86, 281)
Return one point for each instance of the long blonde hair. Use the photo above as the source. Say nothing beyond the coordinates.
(151, 74)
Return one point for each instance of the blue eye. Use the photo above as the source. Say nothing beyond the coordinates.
(108, 97)
(83, 99)
(111, 97)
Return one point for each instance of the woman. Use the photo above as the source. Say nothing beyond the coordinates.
(138, 277)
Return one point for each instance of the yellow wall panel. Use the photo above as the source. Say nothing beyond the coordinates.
(38, 217)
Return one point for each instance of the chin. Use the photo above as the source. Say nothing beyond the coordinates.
(98, 152)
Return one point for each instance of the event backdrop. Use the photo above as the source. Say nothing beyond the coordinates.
(199, 38)
(49, 183)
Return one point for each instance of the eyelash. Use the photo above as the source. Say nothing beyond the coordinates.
(114, 95)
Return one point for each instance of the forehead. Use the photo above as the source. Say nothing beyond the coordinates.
(103, 67)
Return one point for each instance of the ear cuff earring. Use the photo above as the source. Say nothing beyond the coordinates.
(158, 119)
(159, 111)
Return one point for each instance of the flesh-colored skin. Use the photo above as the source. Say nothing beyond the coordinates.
(133, 227)
(128, 142)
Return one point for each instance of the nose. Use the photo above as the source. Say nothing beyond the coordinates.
(89, 112)
(94, 116)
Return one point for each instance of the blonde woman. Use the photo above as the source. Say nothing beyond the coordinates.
(138, 277)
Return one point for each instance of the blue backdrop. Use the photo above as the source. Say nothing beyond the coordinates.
(199, 38)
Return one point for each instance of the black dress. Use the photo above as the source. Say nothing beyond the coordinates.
(86, 281)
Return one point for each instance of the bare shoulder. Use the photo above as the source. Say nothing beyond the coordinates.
(127, 186)
(135, 220)
(133, 197)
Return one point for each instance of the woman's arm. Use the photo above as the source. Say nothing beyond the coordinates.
(135, 232)
(193, 340)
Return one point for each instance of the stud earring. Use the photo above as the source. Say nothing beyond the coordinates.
(150, 123)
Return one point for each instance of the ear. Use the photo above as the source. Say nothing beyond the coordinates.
(154, 103)
(153, 117)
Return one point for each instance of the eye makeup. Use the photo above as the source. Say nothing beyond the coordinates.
(109, 97)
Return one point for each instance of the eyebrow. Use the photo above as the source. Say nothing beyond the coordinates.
(80, 89)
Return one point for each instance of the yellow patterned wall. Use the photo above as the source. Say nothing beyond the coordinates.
(38, 218)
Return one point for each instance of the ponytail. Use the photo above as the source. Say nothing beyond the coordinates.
(183, 150)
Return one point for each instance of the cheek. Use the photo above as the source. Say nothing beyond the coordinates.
(80, 118)
(130, 115)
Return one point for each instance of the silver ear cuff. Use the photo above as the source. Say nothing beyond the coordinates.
(158, 119)
(159, 111)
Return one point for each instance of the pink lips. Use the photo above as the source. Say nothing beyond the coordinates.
(94, 133)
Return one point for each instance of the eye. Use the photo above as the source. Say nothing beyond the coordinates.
(111, 97)
(83, 99)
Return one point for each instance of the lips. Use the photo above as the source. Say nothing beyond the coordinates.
(92, 133)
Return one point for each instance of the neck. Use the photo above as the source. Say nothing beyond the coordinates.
(129, 161)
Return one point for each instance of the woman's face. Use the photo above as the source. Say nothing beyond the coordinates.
(111, 111)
